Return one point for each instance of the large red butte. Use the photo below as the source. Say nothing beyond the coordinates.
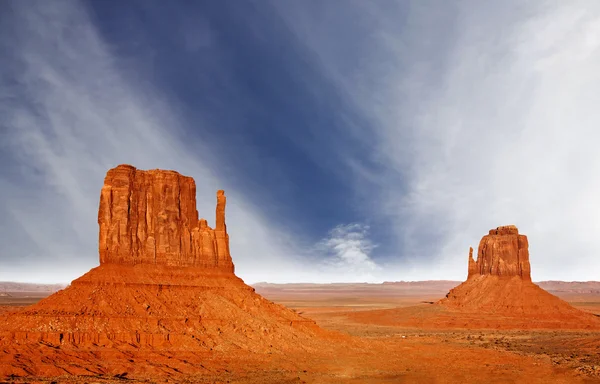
(165, 292)
(150, 217)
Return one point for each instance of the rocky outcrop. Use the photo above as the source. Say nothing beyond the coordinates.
(502, 252)
(150, 217)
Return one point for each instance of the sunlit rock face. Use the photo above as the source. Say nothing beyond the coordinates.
(502, 252)
(150, 217)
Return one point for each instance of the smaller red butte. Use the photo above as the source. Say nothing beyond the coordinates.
(499, 282)
(503, 252)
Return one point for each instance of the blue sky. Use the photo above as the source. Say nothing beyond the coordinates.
(356, 141)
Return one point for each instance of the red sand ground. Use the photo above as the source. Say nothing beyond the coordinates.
(372, 353)
(364, 310)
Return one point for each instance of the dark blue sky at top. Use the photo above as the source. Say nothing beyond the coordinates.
(241, 80)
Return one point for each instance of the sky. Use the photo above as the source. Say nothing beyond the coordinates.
(356, 141)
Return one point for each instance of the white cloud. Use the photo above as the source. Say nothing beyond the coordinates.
(347, 248)
(510, 136)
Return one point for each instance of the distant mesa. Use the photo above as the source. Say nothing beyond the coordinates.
(498, 294)
(165, 287)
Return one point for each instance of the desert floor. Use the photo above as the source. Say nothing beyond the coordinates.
(386, 346)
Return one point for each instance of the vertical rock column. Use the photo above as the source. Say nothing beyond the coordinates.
(473, 270)
(114, 217)
(222, 238)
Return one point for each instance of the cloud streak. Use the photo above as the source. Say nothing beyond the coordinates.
(483, 115)
(70, 114)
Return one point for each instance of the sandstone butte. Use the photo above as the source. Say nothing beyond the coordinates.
(499, 282)
(498, 294)
(165, 283)
(150, 217)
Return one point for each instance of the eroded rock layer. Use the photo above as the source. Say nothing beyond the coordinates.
(502, 252)
(150, 217)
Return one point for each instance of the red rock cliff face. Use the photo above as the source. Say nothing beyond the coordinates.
(150, 217)
(503, 252)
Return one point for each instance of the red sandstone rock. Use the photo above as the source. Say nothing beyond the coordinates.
(150, 217)
(499, 282)
(165, 283)
(503, 252)
(220, 232)
(473, 267)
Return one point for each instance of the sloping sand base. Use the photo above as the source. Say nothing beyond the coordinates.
(112, 313)
(488, 302)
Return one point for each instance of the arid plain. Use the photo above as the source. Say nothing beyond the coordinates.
(165, 305)
(406, 312)
(396, 353)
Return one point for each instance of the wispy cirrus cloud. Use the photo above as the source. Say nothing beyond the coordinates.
(68, 115)
(483, 115)
(432, 123)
